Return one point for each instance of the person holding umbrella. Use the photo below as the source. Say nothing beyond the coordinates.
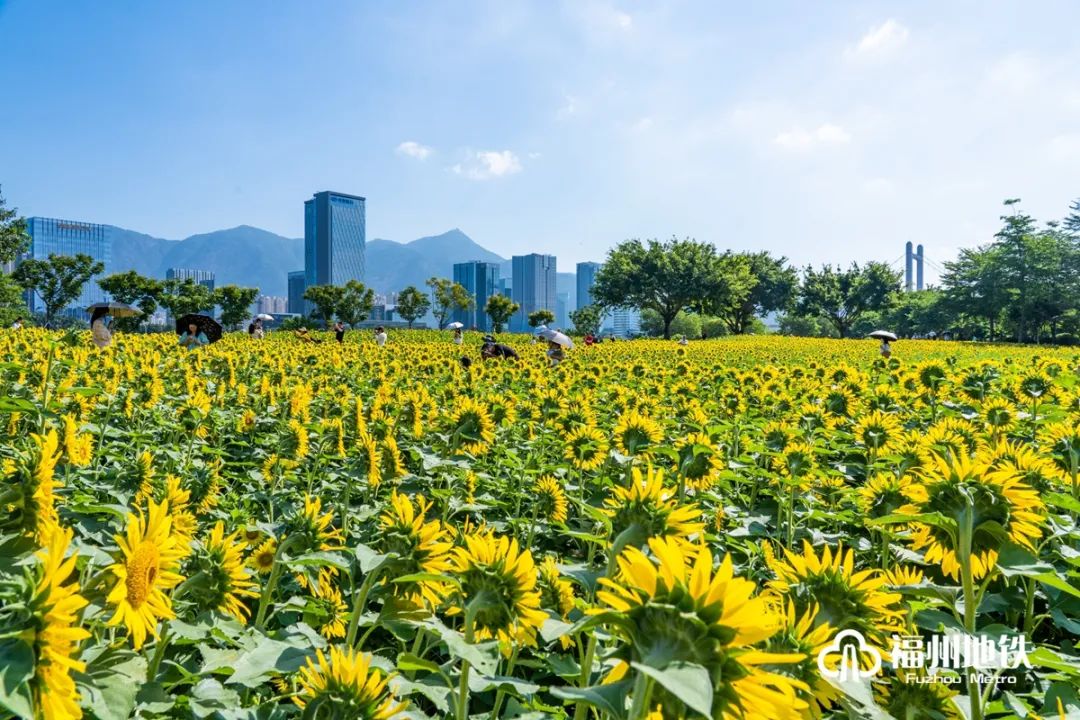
(98, 330)
(885, 337)
(558, 343)
(193, 337)
(339, 332)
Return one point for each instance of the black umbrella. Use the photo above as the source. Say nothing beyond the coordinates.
(116, 309)
(206, 324)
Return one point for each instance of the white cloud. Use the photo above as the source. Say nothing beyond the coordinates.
(799, 138)
(1015, 73)
(570, 107)
(884, 38)
(488, 164)
(642, 124)
(413, 149)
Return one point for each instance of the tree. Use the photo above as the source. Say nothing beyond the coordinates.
(446, 297)
(132, 288)
(587, 320)
(500, 309)
(541, 317)
(756, 284)
(921, 312)
(664, 277)
(688, 324)
(356, 303)
(974, 288)
(235, 303)
(840, 297)
(326, 299)
(1071, 222)
(412, 304)
(11, 301)
(184, 297)
(57, 281)
(13, 237)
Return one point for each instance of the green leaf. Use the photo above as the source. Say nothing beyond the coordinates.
(209, 696)
(1015, 560)
(1047, 658)
(1062, 502)
(483, 683)
(429, 577)
(111, 682)
(483, 656)
(16, 669)
(438, 694)
(610, 699)
(407, 662)
(689, 682)
(266, 658)
(368, 558)
(321, 559)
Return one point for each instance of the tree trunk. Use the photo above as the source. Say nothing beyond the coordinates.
(667, 325)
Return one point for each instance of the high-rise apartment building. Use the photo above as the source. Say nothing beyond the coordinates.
(297, 285)
(50, 236)
(586, 278)
(481, 280)
(272, 304)
(623, 322)
(533, 287)
(335, 237)
(202, 277)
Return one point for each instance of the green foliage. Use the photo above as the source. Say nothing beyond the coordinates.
(57, 281)
(11, 301)
(587, 320)
(327, 300)
(13, 236)
(183, 297)
(752, 285)
(134, 289)
(446, 297)
(235, 303)
(666, 277)
(840, 297)
(412, 304)
(688, 324)
(356, 302)
(500, 309)
(541, 317)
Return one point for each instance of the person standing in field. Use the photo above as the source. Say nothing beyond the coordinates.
(339, 332)
(98, 330)
(380, 336)
(459, 336)
(886, 349)
(194, 338)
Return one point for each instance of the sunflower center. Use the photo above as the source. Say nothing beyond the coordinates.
(142, 571)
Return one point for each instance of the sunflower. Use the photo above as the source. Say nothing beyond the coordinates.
(991, 500)
(226, 582)
(317, 533)
(550, 499)
(556, 592)
(140, 476)
(884, 494)
(501, 578)
(586, 448)
(345, 685)
(876, 430)
(673, 607)
(371, 459)
(902, 696)
(1034, 470)
(297, 440)
(1062, 442)
(184, 523)
(635, 434)
(56, 636)
(699, 463)
(419, 546)
(246, 422)
(34, 514)
(262, 558)
(903, 575)
(846, 599)
(998, 415)
(391, 465)
(329, 614)
(471, 428)
(651, 507)
(79, 448)
(801, 634)
(152, 553)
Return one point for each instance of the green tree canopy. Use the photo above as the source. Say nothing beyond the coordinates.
(756, 284)
(356, 302)
(132, 288)
(541, 317)
(327, 301)
(235, 303)
(57, 281)
(688, 324)
(412, 304)
(13, 236)
(500, 309)
(840, 297)
(664, 277)
(183, 297)
(587, 320)
(446, 297)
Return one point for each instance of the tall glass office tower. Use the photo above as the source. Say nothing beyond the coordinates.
(297, 285)
(49, 236)
(481, 279)
(533, 287)
(334, 238)
(586, 277)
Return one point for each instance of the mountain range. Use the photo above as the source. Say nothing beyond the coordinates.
(253, 257)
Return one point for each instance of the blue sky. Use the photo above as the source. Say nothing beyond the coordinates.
(823, 131)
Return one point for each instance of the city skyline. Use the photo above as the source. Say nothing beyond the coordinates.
(839, 132)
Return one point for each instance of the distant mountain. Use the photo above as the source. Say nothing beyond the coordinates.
(253, 257)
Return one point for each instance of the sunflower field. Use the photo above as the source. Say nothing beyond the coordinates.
(276, 529)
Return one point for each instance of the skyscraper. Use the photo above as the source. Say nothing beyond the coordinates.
(297, 286)
(202, 277)
(49, 236)
(335, 236)
(624, 322)
(586, 277)
(562, 310)
(533, 287)
(481, 280)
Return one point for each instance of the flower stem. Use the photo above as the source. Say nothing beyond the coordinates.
(159, 653)
(358, 605)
